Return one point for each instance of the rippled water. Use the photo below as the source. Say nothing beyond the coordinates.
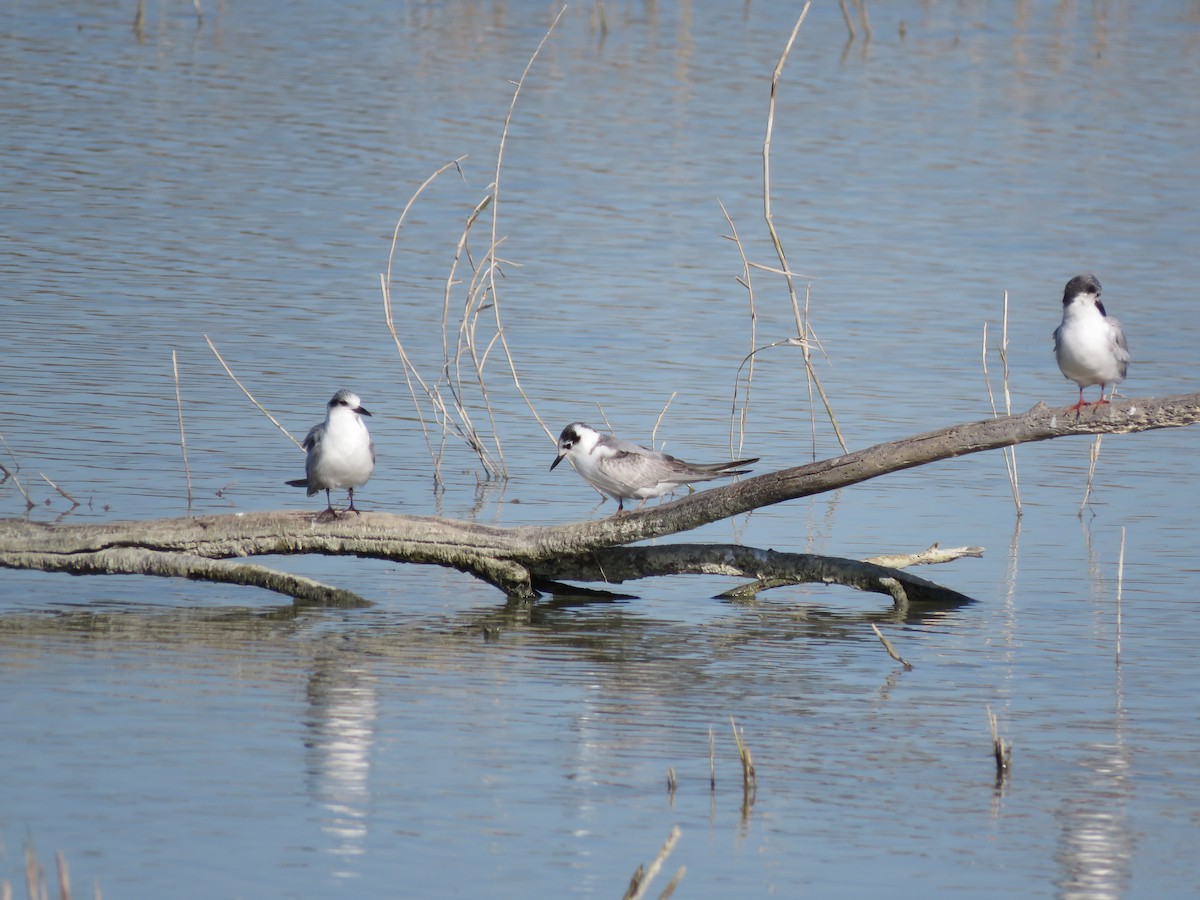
(241, 178)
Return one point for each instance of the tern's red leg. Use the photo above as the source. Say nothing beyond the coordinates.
(1082, 403)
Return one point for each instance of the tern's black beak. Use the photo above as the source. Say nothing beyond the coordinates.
(361, 411)
(557, 460)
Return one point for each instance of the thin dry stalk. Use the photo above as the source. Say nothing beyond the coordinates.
(747, 282)
(658, 421)
(1093, 458)
(261, 408)
(35, 876)
(64, 876)
(63, 493)
(187, 470)
(669, 890)
(749, 780)
(1120, 586)
(672, 782)
(848, 18)
(1001, 749)
(491, 267)
(802, 328)
(12, 473)
(1010, 451)
(385, 282)
(712, 761)
(1010, 461)
(891, 651)
(864, 18)
(599, 18)
(640, 882)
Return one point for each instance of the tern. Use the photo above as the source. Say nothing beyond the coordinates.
(628, 471)
(1089, 344)
(341, 453)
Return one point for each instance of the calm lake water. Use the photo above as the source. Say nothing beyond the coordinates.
(240, 177)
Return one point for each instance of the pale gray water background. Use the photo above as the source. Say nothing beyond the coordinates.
(242, 179)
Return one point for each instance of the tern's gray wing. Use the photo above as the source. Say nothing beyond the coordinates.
(651, 468)
(314, 436)
(617, 446)
(640, 468)
(1120, 348)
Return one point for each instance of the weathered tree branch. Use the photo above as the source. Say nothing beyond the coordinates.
(513, 559)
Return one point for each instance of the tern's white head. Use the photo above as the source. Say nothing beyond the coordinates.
(576, 440)
(348, 400)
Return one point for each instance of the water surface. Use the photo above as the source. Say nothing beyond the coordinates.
(241, 178)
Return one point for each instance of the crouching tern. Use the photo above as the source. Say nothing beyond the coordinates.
(341, 453)
(629, 471)
(1089, 344)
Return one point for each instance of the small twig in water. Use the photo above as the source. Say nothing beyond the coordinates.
(712, 761)
(1001, 749)
(64, 876)
(1009, 453)
(749, 780)
(1093, 458)
(187, 471)
(640, 882)
(63, 493)
(12, 473)
(887, 645)
(261, 408)
(849, 20)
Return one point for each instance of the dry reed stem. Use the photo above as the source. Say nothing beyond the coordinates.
(63, 493)
(1120, 586)
(747, 282)
(712, 760)
(1001, 749)
(658, 421)
(410, 371)
(1009, 451)
(849, 20)
(1010, 462)
(495, 209)
(864, 18)
(1093, 458)
(891, 651)
(187, 470)
(261, 408)
(640, 882)
(64, 876)
(35, 876)
(749, 779)
(802, 328)
(669, 890)
(599, 18)
(12, 473)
